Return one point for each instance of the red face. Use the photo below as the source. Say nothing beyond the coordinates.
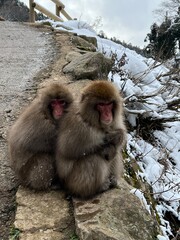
(57, 106)
(106, 114)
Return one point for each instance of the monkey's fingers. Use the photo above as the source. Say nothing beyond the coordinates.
(108, 152)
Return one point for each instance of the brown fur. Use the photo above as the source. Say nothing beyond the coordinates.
(88, 155)
(32, 139)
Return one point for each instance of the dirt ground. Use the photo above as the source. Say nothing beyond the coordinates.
(26, 56)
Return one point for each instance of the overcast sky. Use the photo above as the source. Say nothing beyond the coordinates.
(127, 20)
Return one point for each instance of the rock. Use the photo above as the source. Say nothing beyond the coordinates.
(2, 19)
(92, 40)
(72, 56)
(83, 44)
(90, 66)
(43, 215)
(42, 235)
(114, 215)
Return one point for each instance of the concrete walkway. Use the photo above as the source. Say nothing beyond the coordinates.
(24, 51)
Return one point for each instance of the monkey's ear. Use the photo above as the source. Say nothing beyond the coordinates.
(83, 97)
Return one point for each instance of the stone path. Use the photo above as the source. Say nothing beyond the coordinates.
(24, 51)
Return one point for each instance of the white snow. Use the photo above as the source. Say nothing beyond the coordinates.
(159, 161)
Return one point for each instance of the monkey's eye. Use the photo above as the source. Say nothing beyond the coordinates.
(62, 102)
(56, 102)
(104, 104)
(101, 104)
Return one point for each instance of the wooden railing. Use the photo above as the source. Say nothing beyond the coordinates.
(56, 17)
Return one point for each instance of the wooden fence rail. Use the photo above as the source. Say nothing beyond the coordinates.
(56, 17)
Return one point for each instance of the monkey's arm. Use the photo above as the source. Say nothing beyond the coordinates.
(43, 138)
(79, 140)
(36, 135)
(108, 148)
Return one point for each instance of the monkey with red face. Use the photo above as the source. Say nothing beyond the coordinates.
(32, 138)
(90, 140)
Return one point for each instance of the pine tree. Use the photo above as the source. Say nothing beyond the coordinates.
(164, 38)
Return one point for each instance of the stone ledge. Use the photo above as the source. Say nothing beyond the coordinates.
(43, 215)
(114, 215)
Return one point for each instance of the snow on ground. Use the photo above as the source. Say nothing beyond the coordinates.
(145, 79)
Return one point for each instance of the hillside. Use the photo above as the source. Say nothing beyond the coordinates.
(152, 104)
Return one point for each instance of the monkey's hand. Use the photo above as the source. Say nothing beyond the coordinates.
(108, 152)
(113, 181)
(109, 148)
(114, 137)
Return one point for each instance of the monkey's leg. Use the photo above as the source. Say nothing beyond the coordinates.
(105, 186)
(116, 169)
(41, 171)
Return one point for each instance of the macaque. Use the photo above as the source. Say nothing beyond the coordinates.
(32, 138)
(90, 140)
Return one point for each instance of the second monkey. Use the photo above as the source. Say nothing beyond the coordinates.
(91, 137)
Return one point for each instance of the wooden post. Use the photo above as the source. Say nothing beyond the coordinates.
(57, 11)
(47, 12)
(61, 9)
(66, 14)
(58, 3)
(31, 11)
(59, 6)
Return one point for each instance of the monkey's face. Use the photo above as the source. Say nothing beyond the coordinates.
(57, 107)
(100, 104)
(98, 112)
(54, 100)
(105, 110)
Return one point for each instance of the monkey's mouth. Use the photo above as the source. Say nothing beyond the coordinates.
(58, 113)
(106, 121)
(106, 118)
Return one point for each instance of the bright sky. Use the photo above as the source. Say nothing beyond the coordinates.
(127, 20)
